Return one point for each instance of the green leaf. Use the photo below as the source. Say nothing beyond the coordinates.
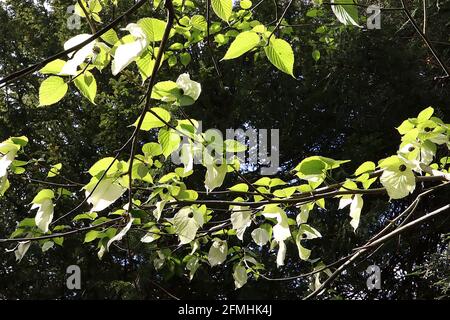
(192, 265)
(346, 14)
(103, 164)
(87, 85)
(151, 121)
(145, 64)
(54, 170)
(233, 146)
(243, 43)
(425, 114)
(367, 166)
(86, 216)
(110, 37)
(152, 149)
(199, 22)
(172, 61)
(316, 55)
(53, 67)
(245, 4)
(52, 90)
(153, 28)
(281, 55)
(264, 181)
(185, 58)
(169, 140)
(167, 90)
(240, 187)
(91, 236)
(151, 236)
(223, 8)
(42, 195)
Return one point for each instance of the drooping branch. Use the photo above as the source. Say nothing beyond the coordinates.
(162, 46)
(62, 234)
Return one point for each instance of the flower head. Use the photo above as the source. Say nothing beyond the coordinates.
(190, 88)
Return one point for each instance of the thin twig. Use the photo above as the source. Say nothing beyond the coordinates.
(88, 18)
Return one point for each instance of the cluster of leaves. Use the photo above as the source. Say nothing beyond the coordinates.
(265, 207)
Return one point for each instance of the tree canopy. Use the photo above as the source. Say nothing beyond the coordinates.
(114, 154)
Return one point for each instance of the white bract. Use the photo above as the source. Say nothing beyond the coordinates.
(106, 193)
(260, 236)
(190, 88)
(21, 250)
(240, 276)
(44, 215)
(215, 174)
(217, 253)
(43, 202)
(281, 253)
(121, 234)
(186, 222)
(281, 230)
(128, 52)
(356, 203)
(80, 56)
(8, 152)
(241, 219)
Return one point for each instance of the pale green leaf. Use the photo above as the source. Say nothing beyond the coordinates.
(425, 114)
(91, 236)
(346, 14)
(169, 140)
(53, 67)
(245, 4)
(54, 170)
(280, 54)
(151, 121)
(223, 8)
(243, 43)
(52, 90)
(87, 85)
(240, 187)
